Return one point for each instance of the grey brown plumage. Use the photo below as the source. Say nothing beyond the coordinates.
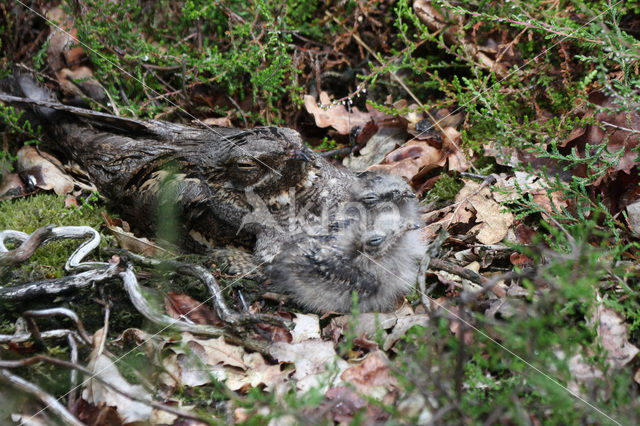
(145, 166)
(211, 179)
(372, 248)
(377, 260)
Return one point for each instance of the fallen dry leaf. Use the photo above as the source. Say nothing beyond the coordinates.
(258, 373)
(614, 335)
(633, 216)
(346, 403)
(493, 223)
(43, 171)
(372, 377)
(179, 305)
(335, 116)
(402, 326)
(378, 146)
(311, 359)
(215, 351)
(96, 393)
(525, 183)
(306, 327)
(410, 158)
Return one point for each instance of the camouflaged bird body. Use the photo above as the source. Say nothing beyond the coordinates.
(191, 173)
(372, 248)
(378, 261)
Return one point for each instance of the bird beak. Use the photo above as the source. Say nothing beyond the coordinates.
(409, 194)
(298, 154)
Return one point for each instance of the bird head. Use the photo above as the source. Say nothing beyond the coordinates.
(267, 161)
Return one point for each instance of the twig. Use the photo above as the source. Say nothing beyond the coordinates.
(20, 337)
(337, 151)
(135, 295)
(63, 312)
(27, 248)
(57, 285)
(470, 275)
(224, 313)
(73, 379)
(49, 400)
(62, 363)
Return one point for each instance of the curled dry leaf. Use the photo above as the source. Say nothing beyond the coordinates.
(407, 160)
(12, 187)
(335, 116)
(64, 49)
(378, 146)
(218, 121)
(43, 171)
(80, 82)
(96, 393)
(451, 142)
(180, 305)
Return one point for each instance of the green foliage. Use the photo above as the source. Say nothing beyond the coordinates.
(444, 189)
(245, 50)
(544, 331)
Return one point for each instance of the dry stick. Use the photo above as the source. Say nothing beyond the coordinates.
(39, 393)
(470, 275)
(74, 373)
(63, 312)
(27, 248)
(58, 285)
(436, 123)
(20, 337)
(62, 363)
(135, 295)
(197, 271)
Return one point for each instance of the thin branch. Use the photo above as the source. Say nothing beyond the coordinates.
(55, 361)
(49, 400)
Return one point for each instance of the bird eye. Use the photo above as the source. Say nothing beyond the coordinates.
(246, 165)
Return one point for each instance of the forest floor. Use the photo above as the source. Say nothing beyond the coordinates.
(516, 123)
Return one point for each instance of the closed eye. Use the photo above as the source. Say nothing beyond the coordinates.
(369, 198)
(375, 240)
(246, 165)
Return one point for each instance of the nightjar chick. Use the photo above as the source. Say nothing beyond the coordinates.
(377, 259)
